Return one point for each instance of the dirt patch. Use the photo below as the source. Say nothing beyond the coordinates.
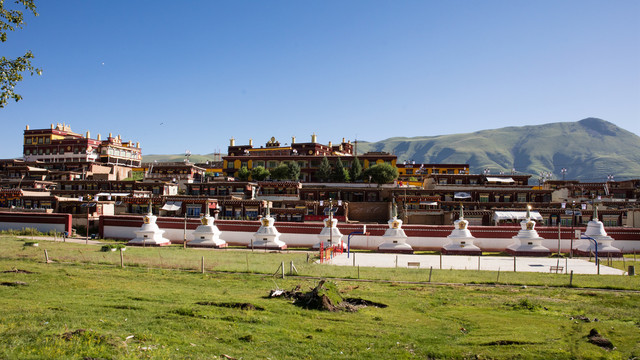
(325, 296)
(599, 340)
(508, 342)
(84, 335)
(241, 306)
(18, 271)
(13, 283)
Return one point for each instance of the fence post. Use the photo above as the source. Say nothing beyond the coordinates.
(46, 257)
(514, 264)
(440, 261)
(282, 269)
(358, 271)
(202, 265)
(396, 261)
(571, 279)
(478, 263)
(121, 259)
(498, 278)
(430, 271)
(247, 256)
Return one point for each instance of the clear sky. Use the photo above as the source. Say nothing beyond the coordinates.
(178, 75)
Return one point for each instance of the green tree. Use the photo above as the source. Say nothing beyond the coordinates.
(339, 173)
(381, 173)
(280, 173)
(259, 173)
(11, 69)
(294, 171)
(355, 173)
(243, 174)
(324, 170)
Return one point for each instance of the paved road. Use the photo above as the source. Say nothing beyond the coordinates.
(462, 262)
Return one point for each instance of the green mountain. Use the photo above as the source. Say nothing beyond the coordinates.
(590, 150)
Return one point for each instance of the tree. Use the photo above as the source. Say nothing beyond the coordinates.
(259, 173)
(356, 170)
(280, 173)
(340, 174)
(243, 174)
(11, 69)
(294, 171)
(381, 173)
(324, 170)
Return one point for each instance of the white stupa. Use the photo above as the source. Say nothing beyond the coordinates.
(330, 234)
(394, 238)
(595, 230)
(207, 234)
(461, 239)
(149, 233)
(267, 236)
(528, 242)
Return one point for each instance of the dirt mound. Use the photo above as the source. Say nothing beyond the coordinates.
(597, 339)
(325, 296)
(17, 271)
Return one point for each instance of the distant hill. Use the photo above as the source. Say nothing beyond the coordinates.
(589, 149)
(194, 158)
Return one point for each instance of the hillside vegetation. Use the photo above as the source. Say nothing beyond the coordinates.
(589, 149)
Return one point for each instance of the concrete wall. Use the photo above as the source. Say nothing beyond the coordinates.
(420, 237)
(43, 222)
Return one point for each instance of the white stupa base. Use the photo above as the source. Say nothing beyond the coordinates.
(149, 239)
(527, 247)
(395, 246)
(207, 236)
(268, 243)
(461, 247)
(604, 249)
(208, 243)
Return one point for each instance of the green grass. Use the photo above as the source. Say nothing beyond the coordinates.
(84, 288)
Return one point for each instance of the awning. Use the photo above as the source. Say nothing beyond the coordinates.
(462, 195)
(515, 215)
(428, 203)
(172, 206)
(500, 180)
(109, 195)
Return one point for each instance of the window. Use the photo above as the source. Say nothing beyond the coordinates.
(47, 140)
(27, 141)
(565, 222)
(442, 181)
(230, 165)
(193, 210)
(39, 140)
(46, 151)
(272, 164)
(484, 197)
(27, 152)
(258, 163)
(458, 181)
(522, 197)
(409, 171)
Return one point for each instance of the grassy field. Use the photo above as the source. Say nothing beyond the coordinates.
(84, 306)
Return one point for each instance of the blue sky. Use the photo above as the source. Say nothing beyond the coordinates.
(178, 75)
